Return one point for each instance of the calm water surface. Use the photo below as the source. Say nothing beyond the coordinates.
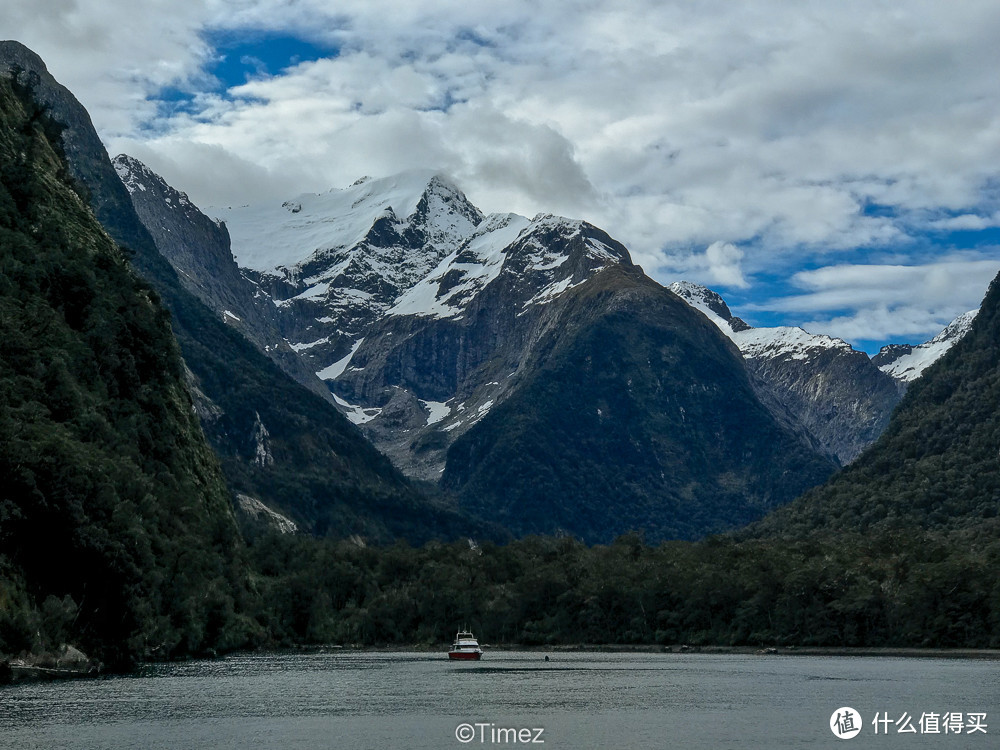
(364, 700)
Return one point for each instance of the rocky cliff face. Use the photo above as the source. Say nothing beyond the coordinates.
(199, 250)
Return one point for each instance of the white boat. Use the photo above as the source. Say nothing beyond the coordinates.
(465, 647)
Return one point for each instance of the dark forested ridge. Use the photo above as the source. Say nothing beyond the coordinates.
(903, 589)
(637, 413)
(116, 532)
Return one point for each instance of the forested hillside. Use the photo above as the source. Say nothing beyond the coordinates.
(937, 465)
(636, 413)
(116, 532)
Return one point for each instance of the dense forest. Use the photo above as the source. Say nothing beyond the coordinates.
(115, 527)
(903, 588)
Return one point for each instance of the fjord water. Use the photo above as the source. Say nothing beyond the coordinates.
(357, 700)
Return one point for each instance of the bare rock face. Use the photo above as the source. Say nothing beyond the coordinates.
(199, 250)
(820, 386)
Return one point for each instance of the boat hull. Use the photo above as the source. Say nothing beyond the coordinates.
(465, 655)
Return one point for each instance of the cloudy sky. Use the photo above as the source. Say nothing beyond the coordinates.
(827, 164)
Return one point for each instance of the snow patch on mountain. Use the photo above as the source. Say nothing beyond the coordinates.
(705, 301)
(464, 273)
(303, 347)
(781, 341)
(137, 177)
(911, 362)
(437, 411)
(357, 414)
(335, 370)
(787, 341)
(553, 290)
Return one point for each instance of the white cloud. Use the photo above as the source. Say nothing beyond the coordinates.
(935, 283)
(761, 130)
(882, 302)
(719, 265)
(113, 54)
(967, 222)
(910, 323)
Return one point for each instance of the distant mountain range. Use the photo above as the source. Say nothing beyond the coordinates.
(936, 465)
(837, 394)
(423, 318)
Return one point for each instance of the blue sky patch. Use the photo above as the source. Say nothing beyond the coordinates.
(247, 56)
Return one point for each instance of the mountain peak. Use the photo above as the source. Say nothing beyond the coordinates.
(134, 174)
(137, 177)
(14, 54)
(702, 298)
(907, 363)
(426, 206)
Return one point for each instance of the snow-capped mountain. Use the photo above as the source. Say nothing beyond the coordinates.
(335, 262)
(755, 343)
(455, 341)
(822, 384)
(396, 291)
(907, 363)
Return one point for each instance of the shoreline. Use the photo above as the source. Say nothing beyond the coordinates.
(678, 649)
(12, 672)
